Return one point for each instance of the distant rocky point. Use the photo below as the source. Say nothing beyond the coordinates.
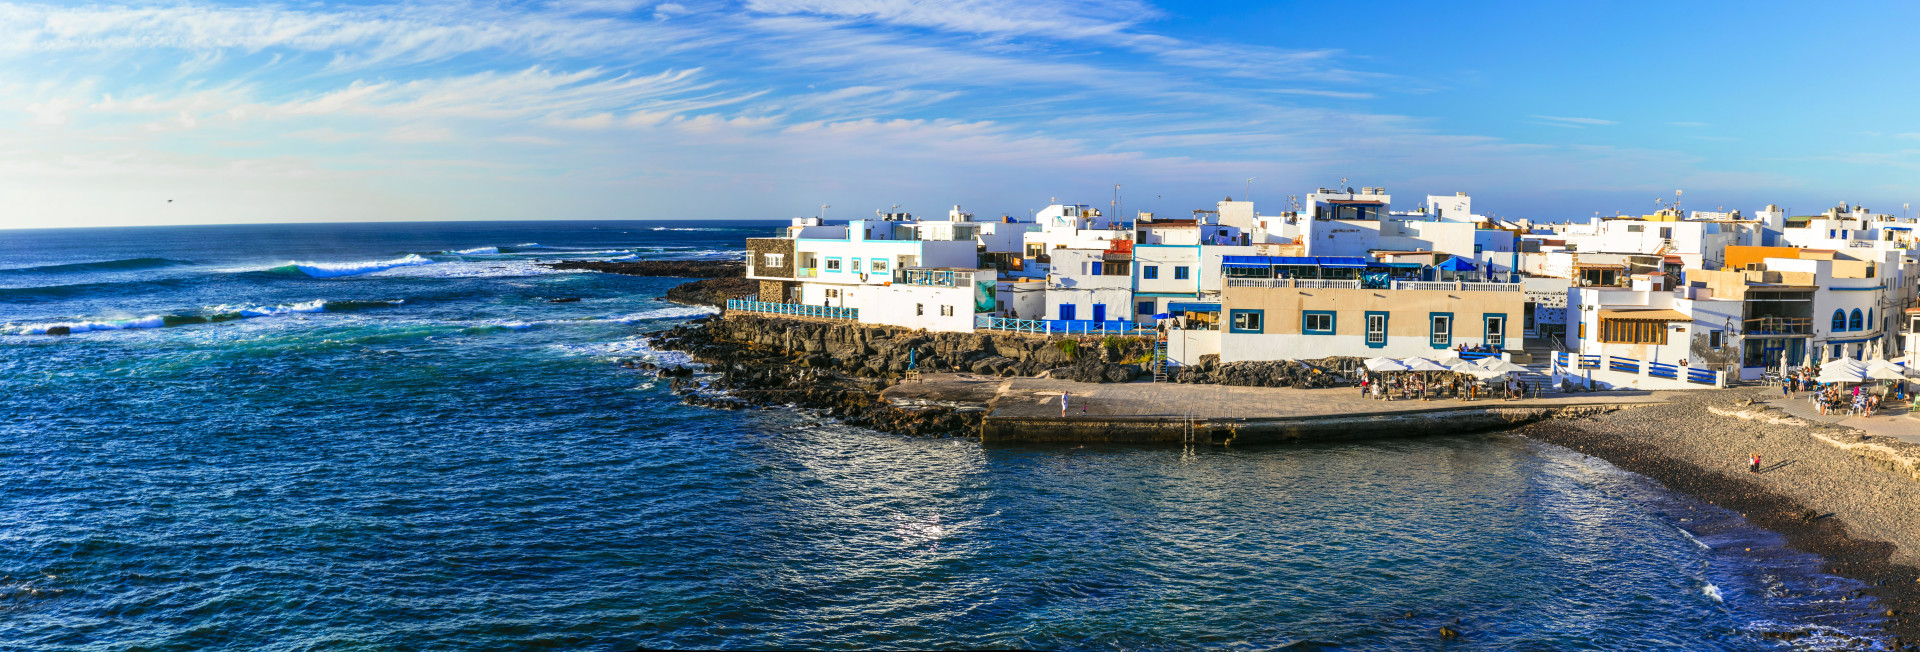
(678, 268)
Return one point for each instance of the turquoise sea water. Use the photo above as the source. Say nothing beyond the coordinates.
(374, 443)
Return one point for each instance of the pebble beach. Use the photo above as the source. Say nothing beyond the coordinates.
(1858, 515)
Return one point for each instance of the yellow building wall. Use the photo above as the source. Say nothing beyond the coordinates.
(1407, 310)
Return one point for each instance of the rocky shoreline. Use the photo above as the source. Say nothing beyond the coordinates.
(1850, 511)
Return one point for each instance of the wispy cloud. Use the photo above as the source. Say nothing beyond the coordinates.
(1565, 121)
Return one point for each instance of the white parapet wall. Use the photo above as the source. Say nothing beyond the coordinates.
(1614, 372)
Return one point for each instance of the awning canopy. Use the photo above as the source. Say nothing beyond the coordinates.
(1646, 315)
(1457, 264)
(1308, 261)
(1192, 307)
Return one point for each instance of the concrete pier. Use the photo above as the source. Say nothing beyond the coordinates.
(1028, 410)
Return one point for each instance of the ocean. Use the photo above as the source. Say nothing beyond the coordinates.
(391, 437)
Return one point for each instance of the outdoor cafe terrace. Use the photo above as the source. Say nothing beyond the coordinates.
(1359, 273)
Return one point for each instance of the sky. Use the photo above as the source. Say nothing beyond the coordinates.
(205, 112)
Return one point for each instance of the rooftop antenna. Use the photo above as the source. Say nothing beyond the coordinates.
(1249, 196)
(823, 212)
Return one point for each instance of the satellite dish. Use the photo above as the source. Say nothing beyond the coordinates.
(1349, 190)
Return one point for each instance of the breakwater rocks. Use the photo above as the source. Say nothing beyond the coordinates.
(825, 367)
(711, 291)
(675, 268)
(1302, 374)
(885, 353)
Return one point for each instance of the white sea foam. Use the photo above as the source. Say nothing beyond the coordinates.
(690, 228)
(630, 349)
(474, 269)
(150, 321)
(665, 313)
(1694, 539)
(316, 305)
(1713, 592)
(477, 251)
(333, 270)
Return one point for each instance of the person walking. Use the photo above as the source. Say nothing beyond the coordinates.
(1754, 466)
(1063, 404)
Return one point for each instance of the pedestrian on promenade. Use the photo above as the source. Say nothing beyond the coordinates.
(1754, 467)
(1063, 404)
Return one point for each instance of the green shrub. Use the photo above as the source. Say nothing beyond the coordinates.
(1069, 347)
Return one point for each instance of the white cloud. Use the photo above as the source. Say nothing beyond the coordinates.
(1564, 121)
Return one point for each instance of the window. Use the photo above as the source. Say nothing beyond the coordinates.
(919, 309)
(1441, 335)
(1635, 228)
(832, 293)
(1854, 323)
(1317, 322)
(946, 311)
(774, 260)
(1180, 272)
(1149, 271)
(1583, 331)
(1476, 248)
(1633, 331)
(1666, 232)
(1036, 250)
(1066, 311)
(1496, 330)
(1869, 315)
(1716, 340)
(879, 266)
(1144, 307)
(856, 266)
(1839, 320)
(1247, 321)
(1376, 329)
(833, 264)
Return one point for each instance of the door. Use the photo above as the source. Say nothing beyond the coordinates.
(1099, 312)
(1066, 311)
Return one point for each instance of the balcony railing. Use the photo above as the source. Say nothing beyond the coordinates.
(1763, 326)
(1352, 284)
(944, 278)
(793, 309)
(1061, 326)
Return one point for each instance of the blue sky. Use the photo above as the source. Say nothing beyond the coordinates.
(621, 109)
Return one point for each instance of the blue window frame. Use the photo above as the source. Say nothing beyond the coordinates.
(1149, 271)
(1247, 321)
(1066, 311)
(1839, 320)
(1440, 329)
(1317, 322)
(1099, 312)
(1870, 321)
(1496, 329)
(1376, 329)
(1855, 322)
(1143, 308)
(1180, 272)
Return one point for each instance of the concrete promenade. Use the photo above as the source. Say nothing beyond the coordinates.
(1896, 421)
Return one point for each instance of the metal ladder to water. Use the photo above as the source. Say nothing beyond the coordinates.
(1160, 359)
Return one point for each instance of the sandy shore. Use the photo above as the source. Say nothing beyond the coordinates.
(1865, 520)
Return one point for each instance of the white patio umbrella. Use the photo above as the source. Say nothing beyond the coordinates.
(1885, 370)
(1502, 366)
(1840, 372)
(1477, 371)
(1423, 364)
(1383, 365)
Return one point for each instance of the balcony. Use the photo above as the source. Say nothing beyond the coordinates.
(941, 278)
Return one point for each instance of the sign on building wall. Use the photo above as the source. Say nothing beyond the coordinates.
(985, 298)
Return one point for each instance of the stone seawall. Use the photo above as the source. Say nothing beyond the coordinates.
(1323, 428)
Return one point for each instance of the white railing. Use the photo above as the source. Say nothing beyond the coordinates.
(1259, 283)
(1491, 287)
(1425, 285)
(1327, 283)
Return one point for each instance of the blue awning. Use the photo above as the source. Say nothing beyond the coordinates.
(1193, 307)
(1246, 261)
(1457, 264)
(1293, 260)
(1341, 261)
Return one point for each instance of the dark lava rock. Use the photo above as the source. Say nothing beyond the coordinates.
(712, 292)
(565, 300)
(59, 330)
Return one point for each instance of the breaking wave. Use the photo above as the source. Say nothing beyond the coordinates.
(100, 266)
(335, 270)
(211, 315)
(476, 251)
